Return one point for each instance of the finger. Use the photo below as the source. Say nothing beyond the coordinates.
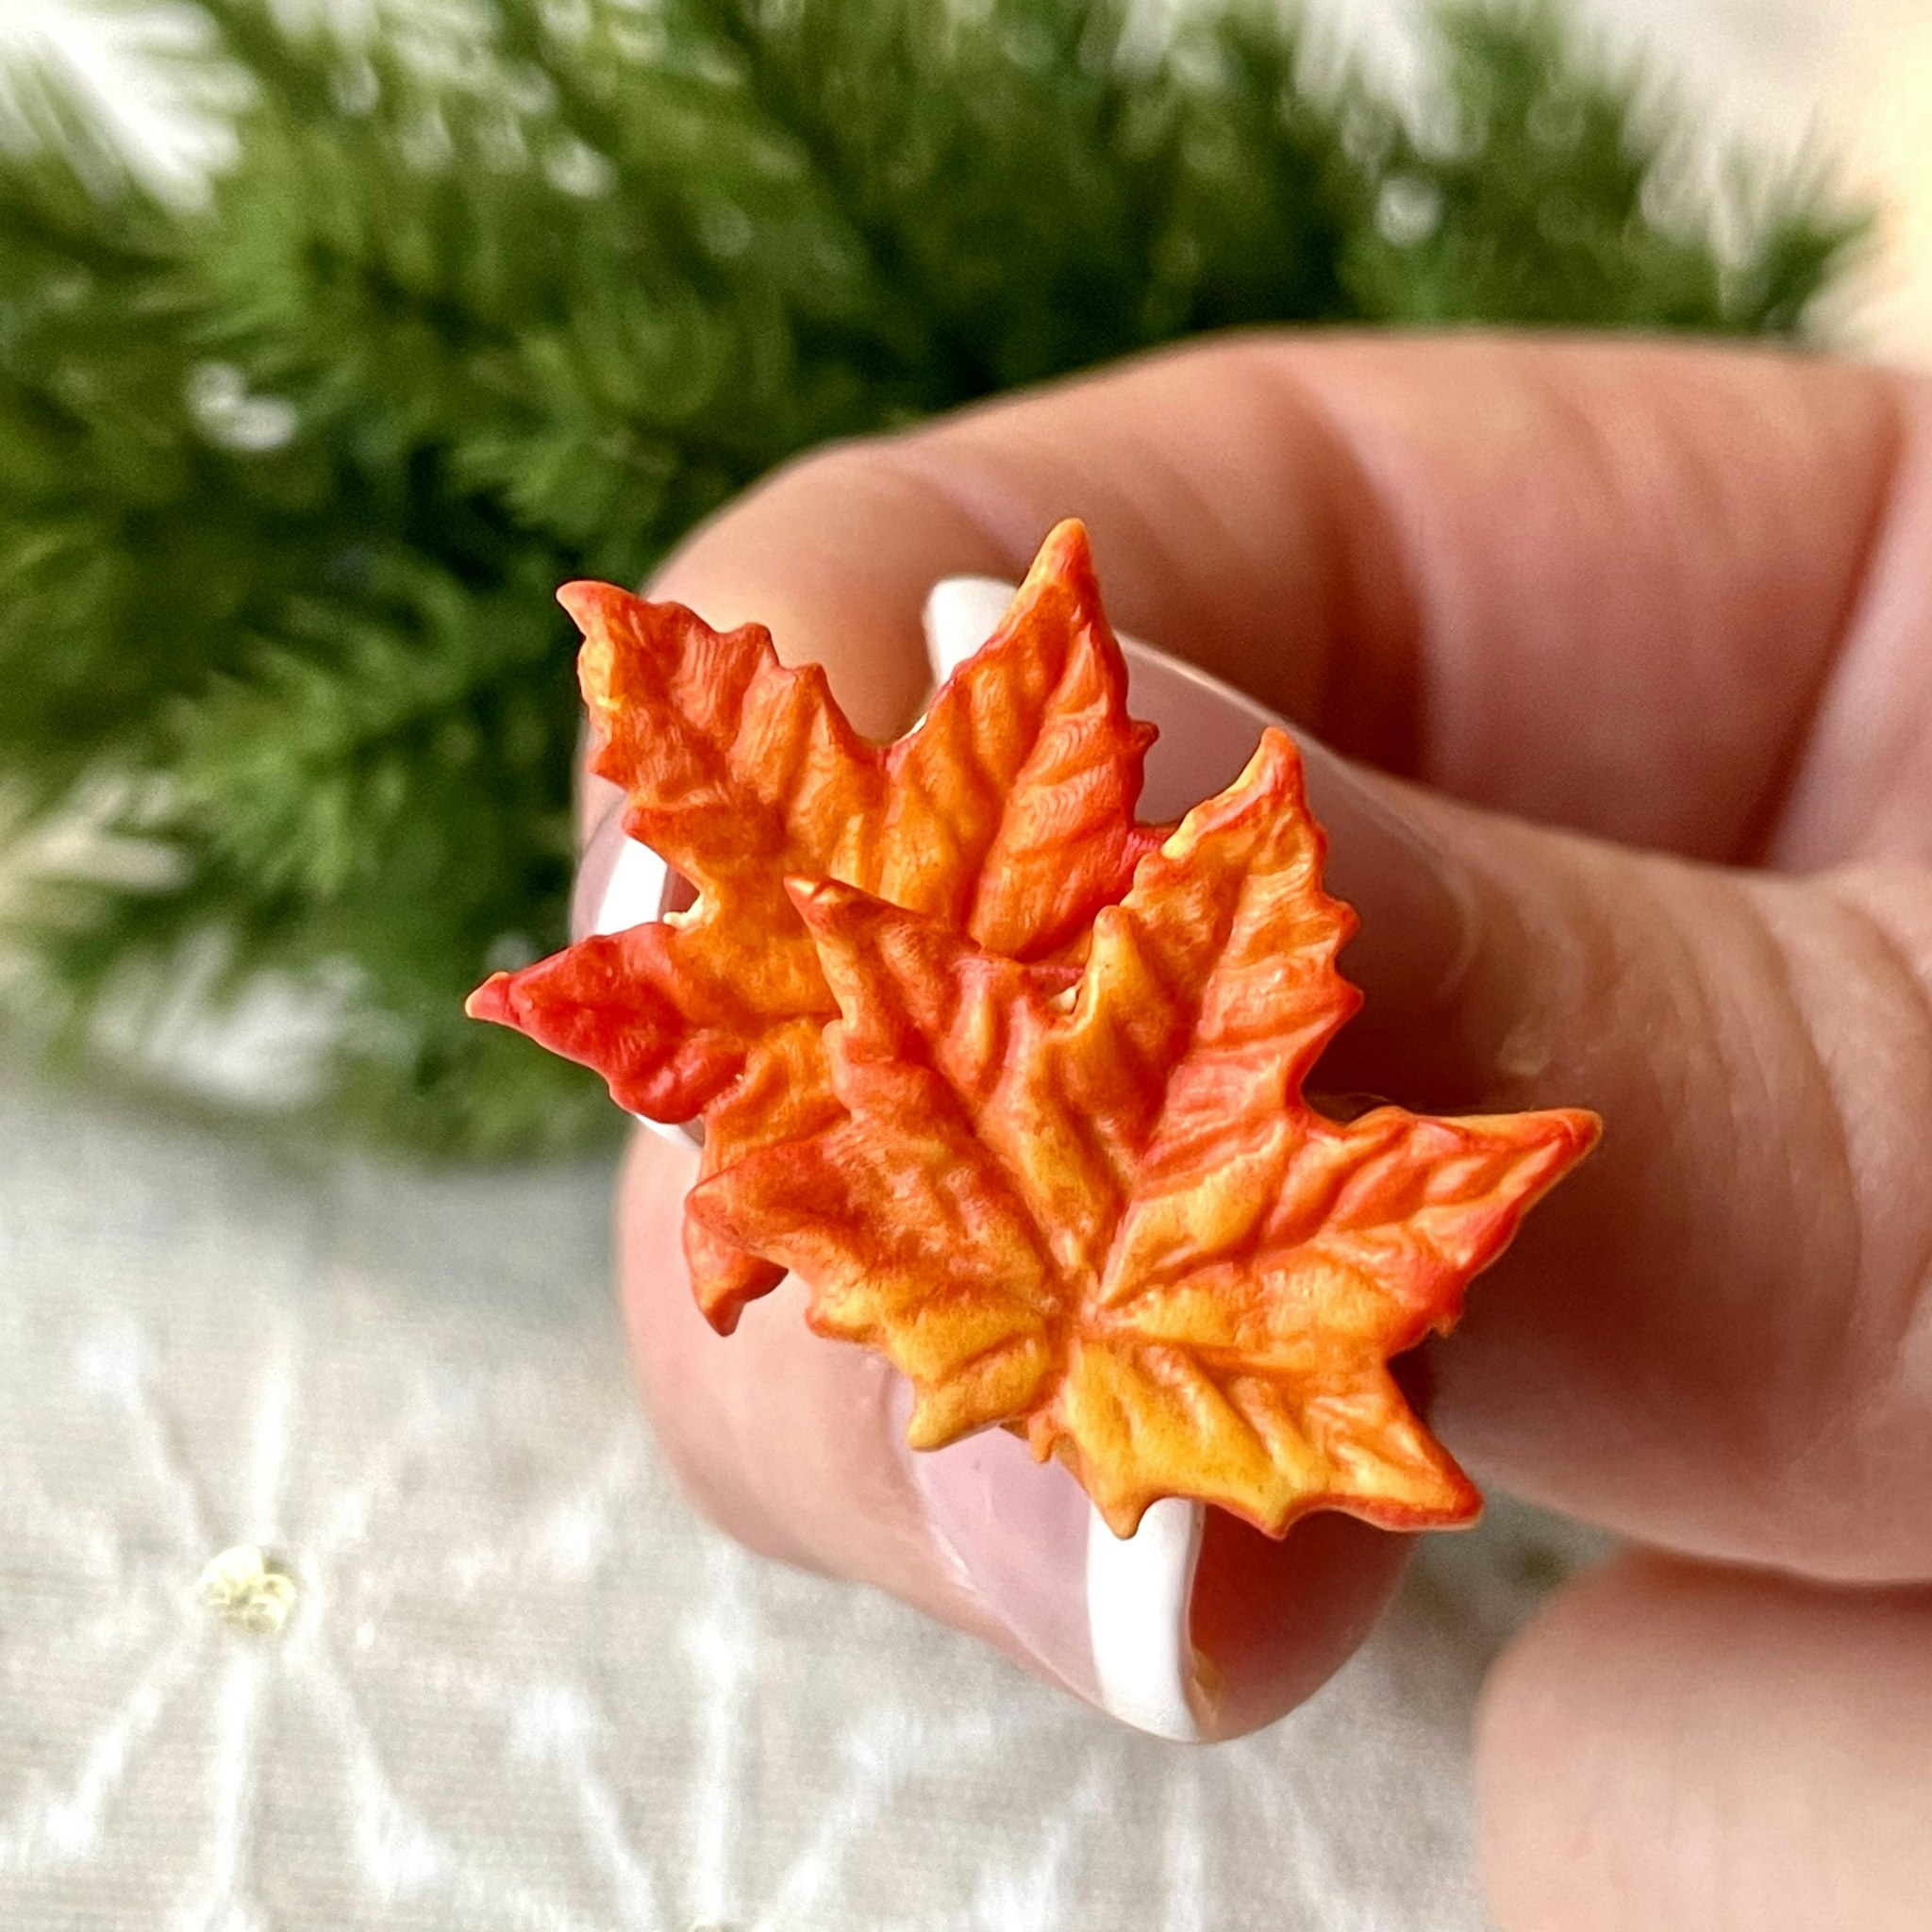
(1669, 596)
(1718, 1334)
(795, 1446)
(1680, 1750)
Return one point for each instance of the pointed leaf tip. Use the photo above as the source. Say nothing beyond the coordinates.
(492, 1001)
(587, 599)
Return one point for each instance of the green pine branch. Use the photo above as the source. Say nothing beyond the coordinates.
(489, 297)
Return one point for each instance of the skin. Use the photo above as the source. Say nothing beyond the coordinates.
(1641, 639)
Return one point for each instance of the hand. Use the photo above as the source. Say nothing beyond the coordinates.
(1645, 637)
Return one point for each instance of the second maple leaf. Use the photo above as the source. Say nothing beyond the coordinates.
(1109, 1218)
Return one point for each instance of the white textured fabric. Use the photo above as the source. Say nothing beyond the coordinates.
(522, 1687)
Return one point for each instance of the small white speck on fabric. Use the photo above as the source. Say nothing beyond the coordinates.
(247, 1591)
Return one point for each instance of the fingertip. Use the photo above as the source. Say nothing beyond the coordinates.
(1274, 1619)
(1526, 1729)
(1672, 1746)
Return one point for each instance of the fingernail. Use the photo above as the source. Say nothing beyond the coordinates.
(1105, 1618)
(602, 846)
(1416, 904)
(1015, 1533)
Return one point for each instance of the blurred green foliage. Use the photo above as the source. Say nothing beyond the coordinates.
(489, 297)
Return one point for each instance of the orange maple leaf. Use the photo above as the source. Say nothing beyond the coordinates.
(1009, 813)
(1107, 1217)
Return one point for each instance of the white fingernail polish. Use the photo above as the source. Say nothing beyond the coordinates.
(1209, 730)
(1140, 1594)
